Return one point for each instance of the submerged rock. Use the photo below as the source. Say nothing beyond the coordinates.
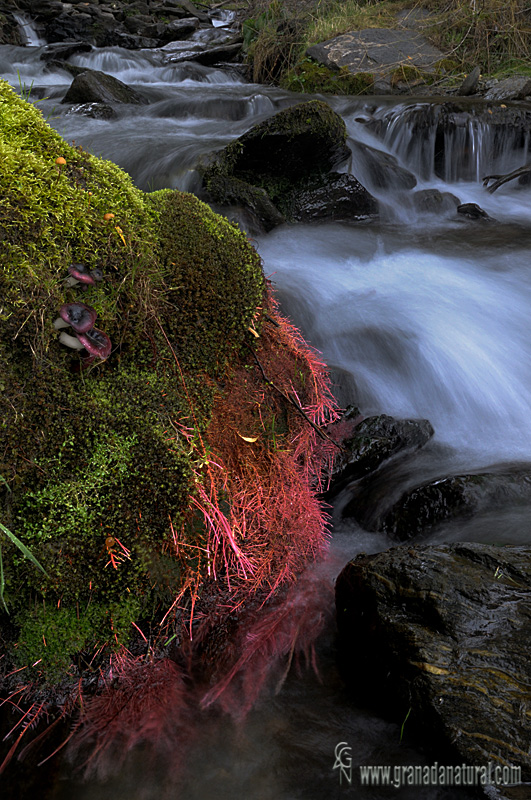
(384, 171)
(439, 637)
(421, 508)
(375, 440)
(432, 201)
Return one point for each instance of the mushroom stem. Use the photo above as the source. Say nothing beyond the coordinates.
(60, 323)
(70, 341)
(70, 281)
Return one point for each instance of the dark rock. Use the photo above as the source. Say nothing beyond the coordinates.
(337, 197)
(375, 440)
(380, 170)
(93, 86)
(207, 56)
(516, 87)
(228, 190)
(283, 155)
(421, 508)
(472, 211)
(61, 51)
(377, 51)
(432, 201)
(470, 83)
(193, 11)
(94, 110)
(305, 138)
(440, 636)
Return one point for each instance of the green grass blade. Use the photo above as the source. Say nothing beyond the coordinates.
(2, 582)
(22, 547)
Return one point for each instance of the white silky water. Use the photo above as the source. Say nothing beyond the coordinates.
(416, 315)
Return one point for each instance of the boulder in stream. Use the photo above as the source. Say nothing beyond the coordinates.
(93, 86)
(438, 638)
(290, 154)
(421, 508)
(383, 170)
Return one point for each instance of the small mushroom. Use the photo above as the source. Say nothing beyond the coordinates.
(79, 273)
(70, 341)
(96, 343)
(78, 315)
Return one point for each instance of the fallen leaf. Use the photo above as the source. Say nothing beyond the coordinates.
(248, 438)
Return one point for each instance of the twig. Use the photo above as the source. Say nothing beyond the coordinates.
(499, 180)
(293, 402)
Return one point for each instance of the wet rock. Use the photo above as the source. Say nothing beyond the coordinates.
(440, 636)
(216, 55)
(283, 155)
(373, 441)
(381, 169)
(93, 86)
(421, 508)
(62, 51)
(377, 51)
(470, 83)
(230, 191)
(337, 197)
(93, 110)
(432, 201)
(472, 211)
(516, 87)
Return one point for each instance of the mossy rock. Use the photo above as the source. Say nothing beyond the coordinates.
(98, 464)
(280, 156)
(310, 77)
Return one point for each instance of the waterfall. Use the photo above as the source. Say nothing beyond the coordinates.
(29, 35)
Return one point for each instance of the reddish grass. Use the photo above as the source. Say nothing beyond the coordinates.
(138, 703)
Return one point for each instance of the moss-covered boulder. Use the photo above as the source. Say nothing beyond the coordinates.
(292, 152)
(135, 481)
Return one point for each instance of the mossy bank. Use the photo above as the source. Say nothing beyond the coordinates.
(106, 470)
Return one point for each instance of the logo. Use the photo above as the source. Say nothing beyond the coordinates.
(343, 762)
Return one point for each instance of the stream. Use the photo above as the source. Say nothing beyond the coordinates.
(416, 316)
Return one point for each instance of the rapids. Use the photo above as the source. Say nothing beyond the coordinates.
(417, 316)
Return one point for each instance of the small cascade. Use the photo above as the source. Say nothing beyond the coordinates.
(457, 142)
(29, 35)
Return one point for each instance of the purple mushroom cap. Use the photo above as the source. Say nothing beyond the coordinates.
(80, 316)
(81, 273)
(96, 343)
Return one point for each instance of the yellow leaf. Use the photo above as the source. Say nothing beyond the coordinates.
(120, 234)
(248, 438)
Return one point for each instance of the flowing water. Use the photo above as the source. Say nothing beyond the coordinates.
(417, 316)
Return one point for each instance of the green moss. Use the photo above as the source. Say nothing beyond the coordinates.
(215, 309)
(308, 76)
(96, 474)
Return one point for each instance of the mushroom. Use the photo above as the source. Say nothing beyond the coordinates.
(78, 315)
(70, 341)
(79, 273)
(96, 343)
